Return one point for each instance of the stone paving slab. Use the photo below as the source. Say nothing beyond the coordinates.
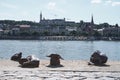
(71, 70)
(58, 75)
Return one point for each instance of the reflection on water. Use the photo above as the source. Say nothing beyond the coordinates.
(70, 50)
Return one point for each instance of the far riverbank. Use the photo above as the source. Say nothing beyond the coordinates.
(59, 38)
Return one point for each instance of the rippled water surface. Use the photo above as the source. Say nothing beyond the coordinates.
(69, 50)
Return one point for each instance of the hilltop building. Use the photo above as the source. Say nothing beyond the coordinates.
(87, 27)
(56, 26)
(60, 22)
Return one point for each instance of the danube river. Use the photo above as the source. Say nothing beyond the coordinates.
(69, 50)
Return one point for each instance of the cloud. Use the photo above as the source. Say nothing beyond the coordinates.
(112, 3)
(106, 2)
(51, 5)
(96, 1)
(7, 5)
(6, 14)
(24, 13)
(115, 3)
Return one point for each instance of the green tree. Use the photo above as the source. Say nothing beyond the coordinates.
(73, 33)
(97, 34)
(84, 34)
(35, 34)
(46, 33)
(62, 34)
(116, 25)
(24, 34)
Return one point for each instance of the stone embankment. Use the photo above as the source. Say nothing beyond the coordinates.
(71, 70)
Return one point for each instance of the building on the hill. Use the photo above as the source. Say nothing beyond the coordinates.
(55, 26)
(87, 27)
(111, 32)
(1, 32)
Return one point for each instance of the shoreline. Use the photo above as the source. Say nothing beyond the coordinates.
(72, 69)
(70, 65)
(59, 38)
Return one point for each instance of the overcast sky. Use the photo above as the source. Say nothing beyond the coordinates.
(73, 10)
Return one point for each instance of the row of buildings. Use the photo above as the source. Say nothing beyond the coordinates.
(50, 27)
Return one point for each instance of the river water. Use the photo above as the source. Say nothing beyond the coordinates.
(69, 50)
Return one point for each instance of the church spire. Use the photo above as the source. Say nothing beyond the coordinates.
(92, 21)
(40, 16)
(92, 26)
